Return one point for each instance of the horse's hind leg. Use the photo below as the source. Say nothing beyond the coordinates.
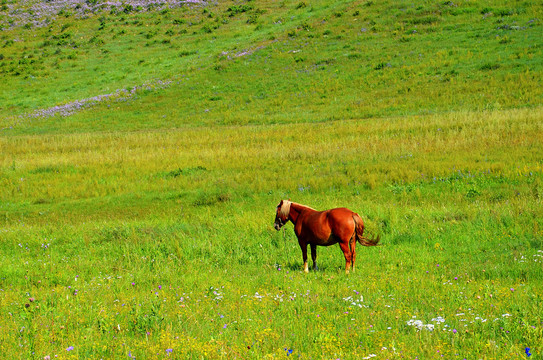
(314, 256)
(352, 245)
(344, 245)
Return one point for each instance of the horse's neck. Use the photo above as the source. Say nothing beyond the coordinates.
(296, 210)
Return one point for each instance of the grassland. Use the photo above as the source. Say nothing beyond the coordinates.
(139, 224)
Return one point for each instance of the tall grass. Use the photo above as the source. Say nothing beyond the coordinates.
(153, 241)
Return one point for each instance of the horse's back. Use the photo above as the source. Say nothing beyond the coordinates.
(341, 214)
(334, 220)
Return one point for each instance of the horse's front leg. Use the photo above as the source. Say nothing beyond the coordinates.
(314, 256)
(303, 246)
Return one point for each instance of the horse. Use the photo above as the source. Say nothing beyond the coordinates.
(324, 228)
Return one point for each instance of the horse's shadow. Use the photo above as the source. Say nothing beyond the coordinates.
(298, 266)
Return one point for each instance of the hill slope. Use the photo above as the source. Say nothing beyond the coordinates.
(261, 62)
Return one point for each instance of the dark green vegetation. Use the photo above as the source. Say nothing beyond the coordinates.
(140, 224)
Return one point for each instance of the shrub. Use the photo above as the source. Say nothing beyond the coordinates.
(238, 9)
(490, 66)
(381, 66)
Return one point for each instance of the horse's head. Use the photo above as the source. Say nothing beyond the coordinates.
(281, 214)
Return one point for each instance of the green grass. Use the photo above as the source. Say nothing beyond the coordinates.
(142, 225)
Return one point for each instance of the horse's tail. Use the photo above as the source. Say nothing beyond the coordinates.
(359, 231)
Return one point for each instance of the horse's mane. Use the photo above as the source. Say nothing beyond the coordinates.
(285, 208)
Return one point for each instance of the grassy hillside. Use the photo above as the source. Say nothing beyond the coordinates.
(143, 149)
(261, 62)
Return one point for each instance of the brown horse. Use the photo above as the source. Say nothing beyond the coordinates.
(324, 228)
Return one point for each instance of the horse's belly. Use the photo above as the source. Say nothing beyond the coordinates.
(315, 230)
(323, 241)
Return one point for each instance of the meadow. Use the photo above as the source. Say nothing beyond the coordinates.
(144, 147)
